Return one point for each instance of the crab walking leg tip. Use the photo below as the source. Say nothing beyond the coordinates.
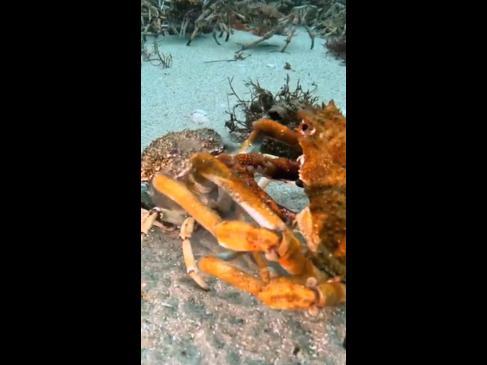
(313, 311)
(186, 232)
(148, 221)
(198, 280)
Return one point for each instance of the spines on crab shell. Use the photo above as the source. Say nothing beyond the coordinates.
(323, 173)
(171, 152)
(328, 212)
(323, 141)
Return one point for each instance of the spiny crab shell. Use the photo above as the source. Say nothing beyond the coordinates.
(322, 137)
(171, 153)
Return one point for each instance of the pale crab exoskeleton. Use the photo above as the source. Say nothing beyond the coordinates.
(217, 15)
(287, 24)
(317, 277)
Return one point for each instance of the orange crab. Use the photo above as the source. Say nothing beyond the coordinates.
(316, 276)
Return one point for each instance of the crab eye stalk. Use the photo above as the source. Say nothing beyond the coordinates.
(306, 129)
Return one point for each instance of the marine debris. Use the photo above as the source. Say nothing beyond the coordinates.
(281, 106)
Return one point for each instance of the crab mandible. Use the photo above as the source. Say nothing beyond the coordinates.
(313, 282)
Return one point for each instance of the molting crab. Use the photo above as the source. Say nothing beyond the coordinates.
(170, 154)
(316, 275)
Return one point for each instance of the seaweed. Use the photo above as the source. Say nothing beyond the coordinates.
(281, 106)
(160, 59)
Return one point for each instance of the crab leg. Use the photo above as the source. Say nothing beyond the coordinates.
(275, 168)
(272, 129)
(184, 25)
(274, 239)
(193, 35)
(264, 272)
(311, 35)
(187, 229)
(266, 36)
(214, 36)
(148, 220)
(212, 169)
(289, 293)
(179, 193)
(166, 218)
(288, 38)
(308, 289)
(227, 30)
(229, 274)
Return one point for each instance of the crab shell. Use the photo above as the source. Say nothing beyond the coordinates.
(322, 137)
(170, 154)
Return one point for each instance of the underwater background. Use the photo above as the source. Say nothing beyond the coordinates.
(197, 86)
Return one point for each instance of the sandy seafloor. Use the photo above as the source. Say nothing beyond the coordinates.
(182, 324)
(169, 96)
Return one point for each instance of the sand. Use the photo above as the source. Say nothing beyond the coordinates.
(182, 324)
(169, 96)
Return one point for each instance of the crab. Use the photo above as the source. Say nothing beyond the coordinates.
(316, 274)
(331, 20)
(153, 17)
(170, 154)
(287, 24)
(217, 15)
